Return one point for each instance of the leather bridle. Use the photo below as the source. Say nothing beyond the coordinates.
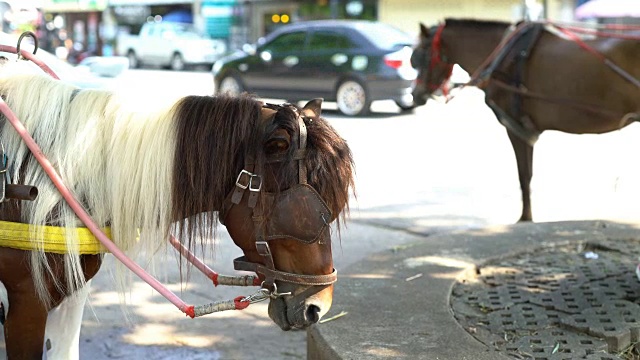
(310, 225)
(433, 57)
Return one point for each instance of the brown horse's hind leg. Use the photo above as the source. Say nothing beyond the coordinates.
(524, 159)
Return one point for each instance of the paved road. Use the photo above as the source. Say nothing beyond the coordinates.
(443, 167)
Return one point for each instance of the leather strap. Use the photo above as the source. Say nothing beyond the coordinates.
(241, 263)
(302, 168)
(265, 251)
(242, 183)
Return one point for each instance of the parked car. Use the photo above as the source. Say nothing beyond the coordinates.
(351, 62)
(170, 44)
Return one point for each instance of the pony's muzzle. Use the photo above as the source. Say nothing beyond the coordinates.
(301, 310)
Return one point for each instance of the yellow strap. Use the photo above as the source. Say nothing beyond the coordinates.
(53, 238)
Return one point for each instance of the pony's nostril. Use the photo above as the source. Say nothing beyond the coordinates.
(313, 314)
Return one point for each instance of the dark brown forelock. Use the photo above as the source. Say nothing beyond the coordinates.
(329, 161)
(330, 165)
(213, 134)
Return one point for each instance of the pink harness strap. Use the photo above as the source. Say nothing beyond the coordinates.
(246, 280)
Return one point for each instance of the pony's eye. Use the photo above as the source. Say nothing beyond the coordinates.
(276, 146)
(278, 142)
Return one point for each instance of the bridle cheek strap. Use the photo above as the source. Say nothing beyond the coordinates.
(302, 146)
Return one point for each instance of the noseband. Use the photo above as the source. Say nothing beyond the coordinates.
(300, 203)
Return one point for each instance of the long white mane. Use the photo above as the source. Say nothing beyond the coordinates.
(116, 157)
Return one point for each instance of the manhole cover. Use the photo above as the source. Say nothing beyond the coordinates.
(579, 301)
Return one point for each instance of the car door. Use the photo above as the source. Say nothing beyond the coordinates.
(274, 71)
(328, 57)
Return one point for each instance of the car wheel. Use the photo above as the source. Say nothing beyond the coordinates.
(405, 107)
(230, 85)
(133, 59)
(352, 98)
(177, 63)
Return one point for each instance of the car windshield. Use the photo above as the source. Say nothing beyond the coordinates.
(385, 36)
(188, 31)
(286, 43)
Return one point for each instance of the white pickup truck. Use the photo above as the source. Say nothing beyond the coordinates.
(169, 44)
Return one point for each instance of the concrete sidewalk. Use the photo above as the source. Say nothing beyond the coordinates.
(564, 290)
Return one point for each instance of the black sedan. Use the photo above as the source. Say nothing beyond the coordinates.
(350, 62)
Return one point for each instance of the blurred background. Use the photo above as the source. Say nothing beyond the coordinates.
(75, 29)
(466, 176)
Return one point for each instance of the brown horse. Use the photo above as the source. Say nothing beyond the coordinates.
(275, 175)
(536, 77)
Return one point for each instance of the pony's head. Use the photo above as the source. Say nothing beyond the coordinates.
(290, 177)
(431, 62)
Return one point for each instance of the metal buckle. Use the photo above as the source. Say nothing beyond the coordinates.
(262, 247)
(273, 294)
(243, 186)
(251, 186)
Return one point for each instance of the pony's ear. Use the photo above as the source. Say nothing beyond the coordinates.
(267, 114)
(424, 30)
(278, 143)
(313, 108)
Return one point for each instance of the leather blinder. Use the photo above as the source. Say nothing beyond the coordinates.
(303, 205)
